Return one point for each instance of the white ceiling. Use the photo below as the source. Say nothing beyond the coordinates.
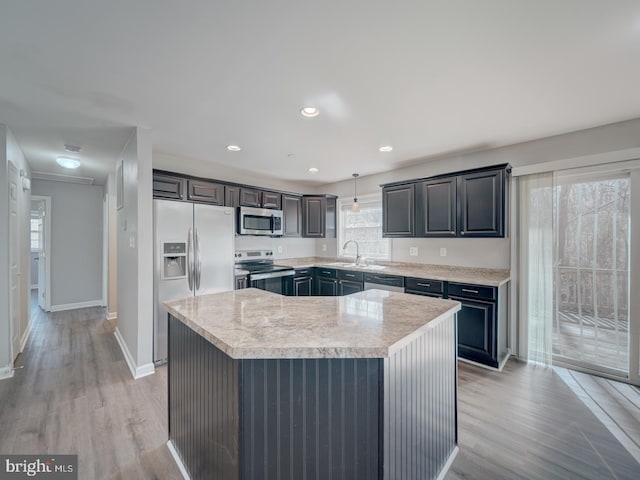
(428, 77)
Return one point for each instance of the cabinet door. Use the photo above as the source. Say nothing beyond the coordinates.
(250, 197)
(231, 196)
(330, 218)
(241, 282)
(327, 287)
(481, 197)
(292, 208)
(348, 287)
(398, 211)
(201, 191)
(302, 286)
(272, 200)
(436, 208)
(313, 217)
(477, 331)
(165, 186)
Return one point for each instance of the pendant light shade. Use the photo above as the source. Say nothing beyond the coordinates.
(355, 207)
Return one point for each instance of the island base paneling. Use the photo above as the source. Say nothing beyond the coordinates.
(329, 418)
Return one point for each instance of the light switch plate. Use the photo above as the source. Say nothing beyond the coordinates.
(324, 247)
(443, 252)
(413, 251)
(280, 249)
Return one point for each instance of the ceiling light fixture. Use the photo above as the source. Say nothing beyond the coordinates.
(309, 112)
(314, 170)
(234, 148)
(355, 207)
(67, 162)
(386, 148)
(71, 148)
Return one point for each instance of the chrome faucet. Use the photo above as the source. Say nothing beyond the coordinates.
(344, 247)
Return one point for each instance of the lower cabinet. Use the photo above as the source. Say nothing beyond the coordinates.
(347, 287)
(302, 287)
(477, 331)
(327, 287)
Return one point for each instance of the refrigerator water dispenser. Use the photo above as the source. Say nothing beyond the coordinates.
(174, 260)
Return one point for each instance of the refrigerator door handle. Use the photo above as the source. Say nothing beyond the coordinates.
(190, 259)
(198, 260)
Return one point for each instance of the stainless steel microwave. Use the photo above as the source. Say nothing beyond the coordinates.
(259, 221)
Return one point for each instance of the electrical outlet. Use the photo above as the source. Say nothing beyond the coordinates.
(132, 241)
(443, 252)
(324, 247)
(280, 249)
(413, 251)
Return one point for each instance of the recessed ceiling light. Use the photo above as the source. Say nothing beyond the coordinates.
(71, 148)
(386, 148)
(314, 170)
(67, 162)
(309, 112)
(234, 148)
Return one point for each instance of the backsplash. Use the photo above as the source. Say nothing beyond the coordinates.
(282, 247)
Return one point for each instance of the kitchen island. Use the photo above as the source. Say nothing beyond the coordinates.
(263, 386)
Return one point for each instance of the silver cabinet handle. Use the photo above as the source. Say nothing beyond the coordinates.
(424, 284)
(190, 259)
(349, 275)
(325, 272)
(469, 291)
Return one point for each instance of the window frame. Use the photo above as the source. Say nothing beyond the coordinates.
(347, 202)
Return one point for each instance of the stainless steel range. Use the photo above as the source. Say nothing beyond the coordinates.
(264, 273)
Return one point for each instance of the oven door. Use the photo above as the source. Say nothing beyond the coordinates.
(276, 282)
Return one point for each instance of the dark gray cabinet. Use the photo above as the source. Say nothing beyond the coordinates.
(202, 191)
(241, 282)
(292, 215)
(319, 216)
(166, 186)
(422, 286)
(398, 211)
(303, 282)
(325, 282)
(436, 212)
(482, 203)
(350, 282)
(250, 197)
(231, 196)
(272, 200)
(466, 204)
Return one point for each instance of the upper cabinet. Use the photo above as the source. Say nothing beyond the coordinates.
(436, 212)
(251, 197)
(292, 215)
(482, 202)
(166, 186)
(202, 191)
(319, 216)
(398, 211)
(464, 204)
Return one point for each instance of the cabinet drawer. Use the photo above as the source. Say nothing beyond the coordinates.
(326, 272)
(472, 291)
(390, 280)
(424, 285)
(303, 272)
(350, 275)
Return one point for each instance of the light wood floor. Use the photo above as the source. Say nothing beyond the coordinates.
(75, 395)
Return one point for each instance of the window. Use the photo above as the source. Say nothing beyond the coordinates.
(36, 244)
(365, 227)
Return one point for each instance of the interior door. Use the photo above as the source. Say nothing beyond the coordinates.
(14, 265)
(42, 257)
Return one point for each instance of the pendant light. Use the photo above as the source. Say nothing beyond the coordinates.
(355, 207)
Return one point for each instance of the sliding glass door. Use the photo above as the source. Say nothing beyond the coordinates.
(591, 319)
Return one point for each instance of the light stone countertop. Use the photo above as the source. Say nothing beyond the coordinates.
(252, 323)
(447, 273)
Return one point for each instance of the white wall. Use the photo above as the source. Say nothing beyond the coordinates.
(135, 256)
(488, 253)
(291, 247)
(76, 243)
(10, 151)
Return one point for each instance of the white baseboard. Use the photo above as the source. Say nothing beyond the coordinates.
(25, 337)
(73, 306)
(178, 460)
(447, 465)
(136, 372)
(6, 372)
(112, 315)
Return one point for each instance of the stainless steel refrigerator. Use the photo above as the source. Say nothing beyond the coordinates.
(193, 251)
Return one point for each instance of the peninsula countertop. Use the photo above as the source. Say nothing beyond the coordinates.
(448, 273)
(252, 323)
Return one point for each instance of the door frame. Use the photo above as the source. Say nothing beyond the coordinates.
(15, 308)
(46, 225)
